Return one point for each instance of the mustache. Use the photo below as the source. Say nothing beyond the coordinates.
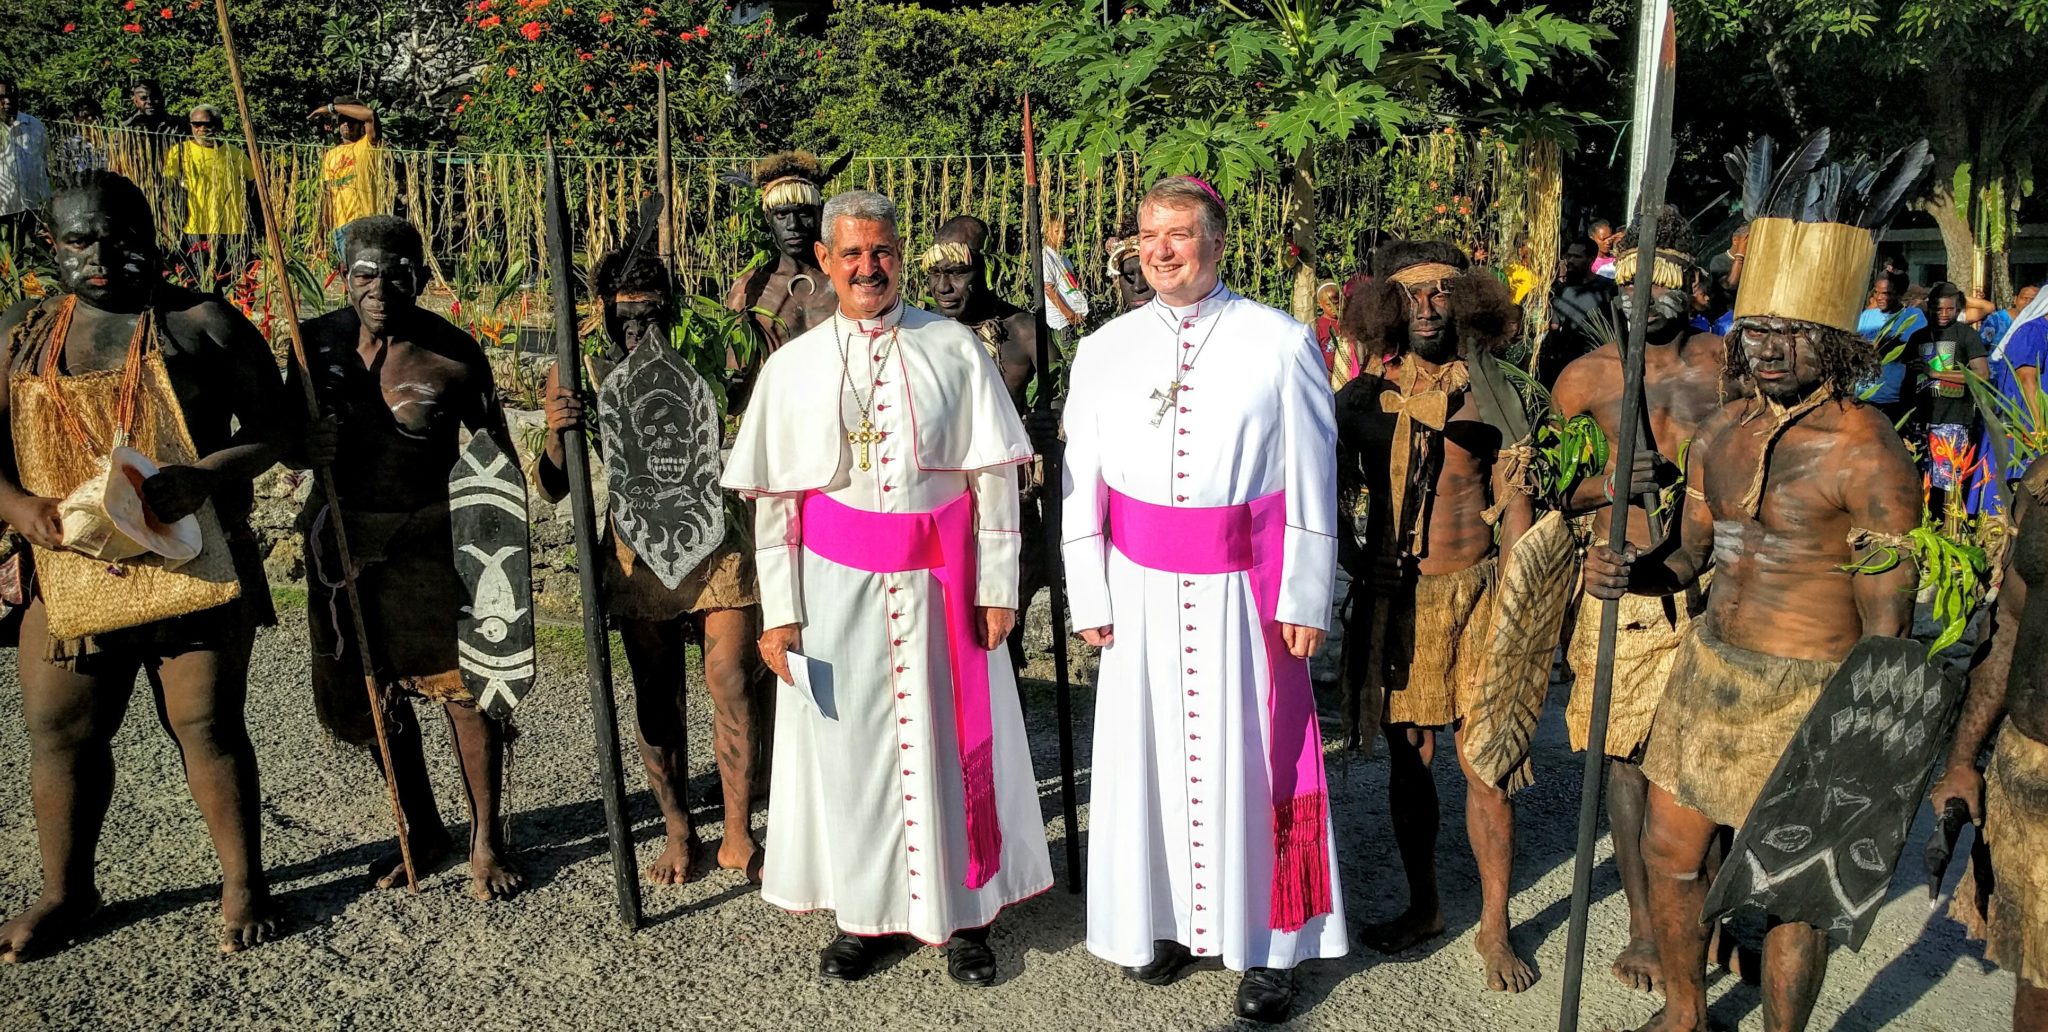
(873, 279)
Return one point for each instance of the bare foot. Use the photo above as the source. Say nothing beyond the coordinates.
(673, 866)
(247, 918)
(45, 927)
(742, 853)
(1403, 932)
(1637, 966)
(1660, 1022)
(430, 853)
(490, 877)
(1505, 972)
(1742, 960)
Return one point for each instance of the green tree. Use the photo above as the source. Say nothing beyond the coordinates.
(1226, 91)
(1963, 73)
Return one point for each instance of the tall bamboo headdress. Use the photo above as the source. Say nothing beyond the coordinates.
(1813, 227)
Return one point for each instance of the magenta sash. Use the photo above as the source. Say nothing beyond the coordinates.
(1251, 538)
(941, 541)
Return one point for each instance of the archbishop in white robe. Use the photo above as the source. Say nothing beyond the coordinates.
(870, 811)
(1182, 817)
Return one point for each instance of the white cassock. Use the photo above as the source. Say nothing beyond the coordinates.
(869, 817)
(1181, 817)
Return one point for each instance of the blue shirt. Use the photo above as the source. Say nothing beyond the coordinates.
(1872, 321)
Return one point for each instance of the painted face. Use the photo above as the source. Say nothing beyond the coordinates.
(1177, 252)
(1132, 284)
(1668, 309)
(1783, 358)
(104, 257)
(1945, 312)
(865, 265)
(383, 286)
(1428, 323)
(144, 99)
(954, 288)
(795, 228)
(633, 323)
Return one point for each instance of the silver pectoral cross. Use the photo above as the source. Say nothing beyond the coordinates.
(1165, 397)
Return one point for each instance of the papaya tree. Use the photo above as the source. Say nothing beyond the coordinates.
(1229, 90)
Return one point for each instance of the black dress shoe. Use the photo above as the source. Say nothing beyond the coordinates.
(848, 958)
(1265, 995)
(970, 962)
(1168, 957)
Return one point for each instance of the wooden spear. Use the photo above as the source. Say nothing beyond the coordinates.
(275, 244)
(1049, 508)
(583, 509)
(664, 171)
(1650, 205)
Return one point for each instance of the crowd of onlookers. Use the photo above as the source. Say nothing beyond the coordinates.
(206, 176)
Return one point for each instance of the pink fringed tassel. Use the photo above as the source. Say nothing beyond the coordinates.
(984, 830)
(1301, 864)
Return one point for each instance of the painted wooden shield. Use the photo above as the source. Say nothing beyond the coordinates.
(494, 635)
(1824, 837)
(1530, 599)
(661, 431)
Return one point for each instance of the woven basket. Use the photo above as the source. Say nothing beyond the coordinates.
(85, 596)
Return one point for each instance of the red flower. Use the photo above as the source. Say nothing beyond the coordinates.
(586, 87)
(643, 23)
(165, 13)
(537, 87)
(1439, 209)
(648, 11)
(70, 26)
(605, 18)
(584, 55)
(702, 32)
(455, 307)
(483, 5)
(458, 108)
(511, 73)
(129, 6)
(131, 27)
(491, 22)
(531, 30)
(1264, 125)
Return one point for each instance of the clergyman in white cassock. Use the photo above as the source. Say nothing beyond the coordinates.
(1199, 515)
(882, 454)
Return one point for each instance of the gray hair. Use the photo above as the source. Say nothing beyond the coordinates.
(209, 111)
(859, 205)
(1188, 192)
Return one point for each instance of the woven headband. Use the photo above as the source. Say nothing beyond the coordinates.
(1668, 271)
(1427, 272)
(950, 252)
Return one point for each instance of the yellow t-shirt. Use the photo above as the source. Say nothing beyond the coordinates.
(1521, 280)
(353, 178)
(216, 201)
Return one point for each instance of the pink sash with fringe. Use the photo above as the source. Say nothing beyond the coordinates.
(941, 541)
(1251, 538)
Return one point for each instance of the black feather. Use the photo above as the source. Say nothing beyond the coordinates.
(1789, 184)
(1901, 177)
(1827, 190)
(736, 178)
(837, 166)
(1756, 177)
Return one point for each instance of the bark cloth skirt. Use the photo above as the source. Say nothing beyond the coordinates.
(2009, 913)
(1725, 719)
(1646, 644)
(1437, 648)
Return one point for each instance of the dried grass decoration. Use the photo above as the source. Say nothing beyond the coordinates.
(1817, 272)
(59, 422)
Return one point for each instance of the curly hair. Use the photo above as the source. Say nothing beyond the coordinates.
(1845, 359)
(1482, 312)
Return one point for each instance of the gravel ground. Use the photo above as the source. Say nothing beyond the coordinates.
(712, 955)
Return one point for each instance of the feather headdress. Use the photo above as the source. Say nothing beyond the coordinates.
(1813, 226)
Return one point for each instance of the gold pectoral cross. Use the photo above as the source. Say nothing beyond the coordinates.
(1165, 397)
(865, 437)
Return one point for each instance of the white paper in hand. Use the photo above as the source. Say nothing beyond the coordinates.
(812, 680)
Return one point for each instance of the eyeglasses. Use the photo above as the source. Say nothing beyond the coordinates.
(202, 125)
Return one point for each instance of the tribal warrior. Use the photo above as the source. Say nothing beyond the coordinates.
(400, 384)
(206, 404)
(790, 292)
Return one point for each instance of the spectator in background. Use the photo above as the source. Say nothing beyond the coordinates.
(1520, 276)
(1578, 303)
(1603, 235)
(1066, 305)
(146, 113)
(24, 182)
(2015, 362)
(1998, 322)
(1893, 327)
(1947, 349)
(217, 180)
(352, 170)
(77, 154)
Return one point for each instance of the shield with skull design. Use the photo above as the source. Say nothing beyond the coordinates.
(661, 431)
(493, 555)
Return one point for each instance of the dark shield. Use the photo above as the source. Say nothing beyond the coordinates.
(1824, 836)
(661, 432)
(487, 513)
